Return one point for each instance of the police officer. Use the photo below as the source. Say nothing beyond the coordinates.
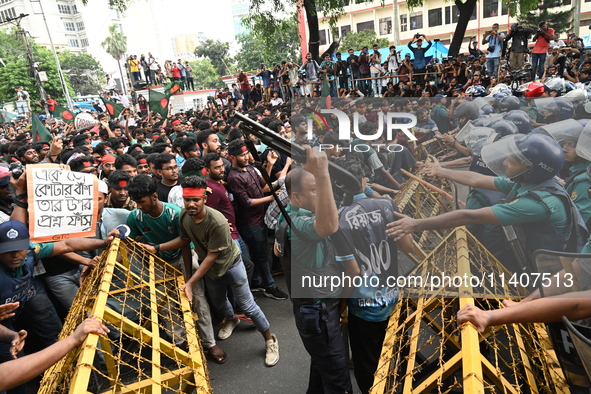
(302, 247)
(537, 205)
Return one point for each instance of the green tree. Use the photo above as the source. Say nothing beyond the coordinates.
(217, 52)
(206, 75)
(85, 72)
(365, 38)
(17, 72)
(560, 21)
(116, 46)
(255, 51)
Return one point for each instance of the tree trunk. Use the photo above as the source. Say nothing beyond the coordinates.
(465, 8)
(313, 33)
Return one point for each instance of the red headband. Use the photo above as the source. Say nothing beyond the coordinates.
(143, 161)
(194, 192)
(122, 183)
(175, 122)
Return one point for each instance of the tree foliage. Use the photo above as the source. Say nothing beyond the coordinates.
(265, 18)
(365, 38)
(116, 43)
(18, 73)
(205, 75)
(217, 53)
(560, 21)
(254, 51)
(84, 71)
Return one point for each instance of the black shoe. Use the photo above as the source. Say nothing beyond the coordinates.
(275, 293)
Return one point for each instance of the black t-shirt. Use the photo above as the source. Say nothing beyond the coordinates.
(164, 190)
(354, 67)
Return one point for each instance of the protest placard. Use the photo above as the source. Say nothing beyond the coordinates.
(62, 204)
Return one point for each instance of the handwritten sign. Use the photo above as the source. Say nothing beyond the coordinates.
(62, 204)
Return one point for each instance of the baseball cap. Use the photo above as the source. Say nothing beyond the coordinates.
(477, 73)
(556, 47)
(14, 235)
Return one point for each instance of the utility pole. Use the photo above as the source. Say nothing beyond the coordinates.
(57, 62)
(17, 21)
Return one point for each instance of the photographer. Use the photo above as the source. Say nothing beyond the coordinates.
(327, 70)
(518, 36)
(563, 60)
(473, 48)
(494, 40)
(311, 68)
(393, 60)
(376, 70)
(542, 38)
(419, 53)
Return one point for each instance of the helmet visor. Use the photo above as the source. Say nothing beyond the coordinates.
(546, 105)
(479, 133)
(584, 143)
(504, 158)
(565, 129)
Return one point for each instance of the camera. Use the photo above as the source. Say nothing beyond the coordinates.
(16, 168)
(418, 35)
(491, 48)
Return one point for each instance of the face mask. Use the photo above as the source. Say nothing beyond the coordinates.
(432, 83)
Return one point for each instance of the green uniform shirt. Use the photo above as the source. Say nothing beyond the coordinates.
(301, 250)
(578, 190)
(158, 230)
(525, 209)
(211, 235)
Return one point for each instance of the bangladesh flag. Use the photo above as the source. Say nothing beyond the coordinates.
(63, 113)
(325, 101)
(113, 109)
(159, 102)
(6, 117)
(173, 88)
(39, 132)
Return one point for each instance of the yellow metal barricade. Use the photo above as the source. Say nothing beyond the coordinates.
(425, 352)
(153, 346)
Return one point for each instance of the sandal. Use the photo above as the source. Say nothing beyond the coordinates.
(218, 359)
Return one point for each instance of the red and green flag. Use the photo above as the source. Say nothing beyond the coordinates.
(63, 113)
(158, 102)
(113, 109)
(173, 88)
(39, 132)
(6, 117)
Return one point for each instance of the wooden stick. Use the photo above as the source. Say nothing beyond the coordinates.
(427, 184)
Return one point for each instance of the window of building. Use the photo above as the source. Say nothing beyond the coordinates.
(322, 36)
(385, 26)
(435, 17)
(566, 2)
(84, 42)
(80, 26)
(345, 30)
(74, 9)
(490, 8)
(369, 25)
(7, 13)
(69, 26)
(403, 22)
(73, 43)
(416, 20)
(447, 16)
(5, 1)
(505, 9)
(64, 9)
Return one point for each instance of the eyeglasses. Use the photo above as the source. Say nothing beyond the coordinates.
(175, 168)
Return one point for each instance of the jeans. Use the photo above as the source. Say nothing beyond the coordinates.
(492, 66)
(320, 331)
(333, 88)
(376, 84)
(235, 277)
(64, 286)
(294, 91)
(365, 84)
(256, 239)
(136, 76)
(537, 64)
(190, 84)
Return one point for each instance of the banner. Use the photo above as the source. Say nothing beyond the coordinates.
(62, 204)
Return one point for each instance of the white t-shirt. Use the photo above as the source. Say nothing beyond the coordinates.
(277, 101)
(153, 65)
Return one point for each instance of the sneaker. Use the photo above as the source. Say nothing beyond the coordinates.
(227, 329)
(272, 354)
(257, 289)
(276, 294)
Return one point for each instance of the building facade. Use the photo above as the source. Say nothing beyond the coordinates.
(435, 19)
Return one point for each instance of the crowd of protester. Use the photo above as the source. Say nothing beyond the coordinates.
(169, 178)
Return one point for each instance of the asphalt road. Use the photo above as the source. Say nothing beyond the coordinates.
(245, 370)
